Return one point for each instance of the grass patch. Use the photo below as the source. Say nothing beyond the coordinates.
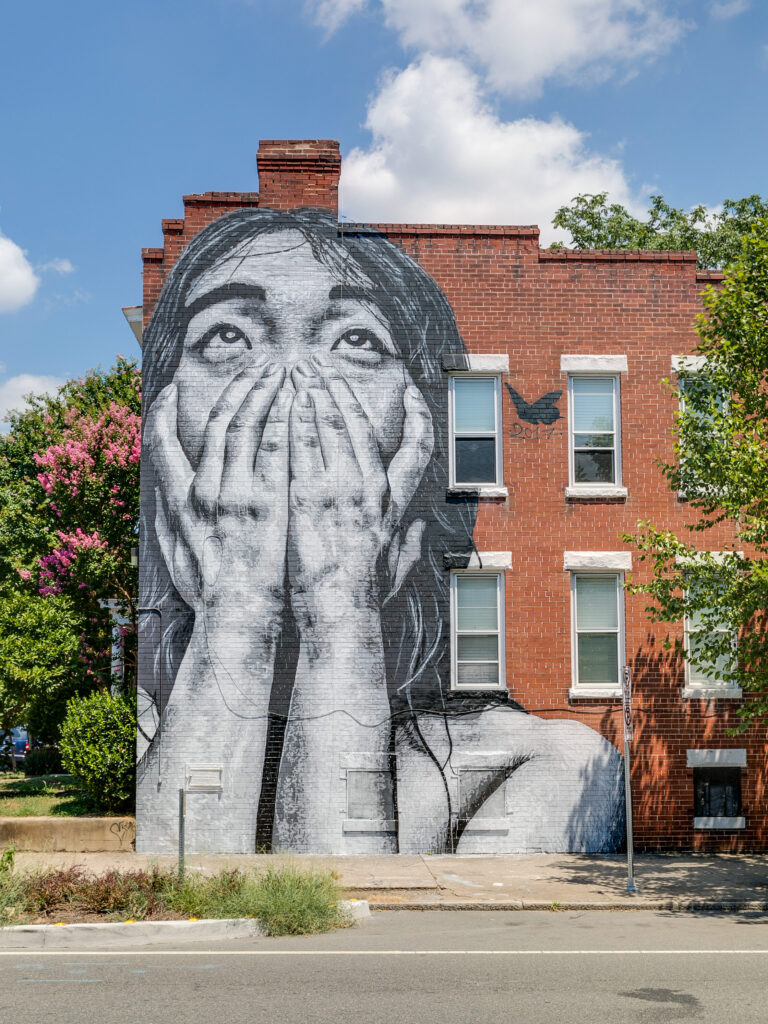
(44, 795)
(288, 901)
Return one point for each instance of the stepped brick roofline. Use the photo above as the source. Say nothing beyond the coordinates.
(296, 173)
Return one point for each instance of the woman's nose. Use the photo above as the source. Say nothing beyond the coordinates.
(304, 375)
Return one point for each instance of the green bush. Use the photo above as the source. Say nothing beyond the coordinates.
(42, 761)
(98, 747)
(287, 901)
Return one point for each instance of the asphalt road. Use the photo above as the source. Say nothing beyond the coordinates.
(434, 967)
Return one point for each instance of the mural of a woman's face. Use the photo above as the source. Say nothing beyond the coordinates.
(272, 298)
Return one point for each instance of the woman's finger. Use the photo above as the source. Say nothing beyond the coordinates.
(359, 427)
(341, 467)
(270, 471)
(161, 443)
(407, 467)
(243, 438)
(306, 456)
(205, 491)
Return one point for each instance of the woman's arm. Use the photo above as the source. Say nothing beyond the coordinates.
(222, 531)
(343, 509)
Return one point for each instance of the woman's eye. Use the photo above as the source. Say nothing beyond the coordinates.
(222, 343)
(360, 339)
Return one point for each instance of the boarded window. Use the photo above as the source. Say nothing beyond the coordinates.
(369, 795)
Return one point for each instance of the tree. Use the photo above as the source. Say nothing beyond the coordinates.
(721, 464)
(594, 223)
(69, 511)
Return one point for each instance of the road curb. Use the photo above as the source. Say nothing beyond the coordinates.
(680, 905)
(119, 934)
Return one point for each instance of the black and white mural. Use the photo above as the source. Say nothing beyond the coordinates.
(295, 647)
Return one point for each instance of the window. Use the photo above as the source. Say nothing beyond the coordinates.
(475, 419)
(477, 635)
(369, 795)
(594, 431)
(473, 782)
(720, 675)
(597, 615)
(702, 629)
(702, 421)
(717, 792)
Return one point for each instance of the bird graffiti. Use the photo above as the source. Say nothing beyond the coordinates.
(543, 410)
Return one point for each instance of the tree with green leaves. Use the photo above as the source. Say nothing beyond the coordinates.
(69, 512)
(721, 466)
(594, 223)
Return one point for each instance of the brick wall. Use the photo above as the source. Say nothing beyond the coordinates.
(512, 298)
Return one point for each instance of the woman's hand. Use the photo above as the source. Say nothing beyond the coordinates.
(222, 528)
(345, 507)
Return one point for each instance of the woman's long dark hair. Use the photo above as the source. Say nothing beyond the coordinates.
(415, 619)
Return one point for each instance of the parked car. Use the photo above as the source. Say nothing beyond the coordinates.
(21, 744)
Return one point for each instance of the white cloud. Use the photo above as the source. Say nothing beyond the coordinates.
(58, 266)
(18, 280)
(441, 154)
(14, 389)
(331, 14)
(520, 44)
(721, 10)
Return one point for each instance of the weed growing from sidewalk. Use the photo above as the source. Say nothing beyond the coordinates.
(288, 901)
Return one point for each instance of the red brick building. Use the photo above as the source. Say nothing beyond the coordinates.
(567, 350)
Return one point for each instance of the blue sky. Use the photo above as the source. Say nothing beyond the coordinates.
(448, 110)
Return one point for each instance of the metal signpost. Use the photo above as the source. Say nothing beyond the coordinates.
(182, 815)
(626, 707)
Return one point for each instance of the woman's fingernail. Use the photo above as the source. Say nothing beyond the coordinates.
(319, 360)
(284, 401)
(271, 368)
(303, 368)
(303, 399)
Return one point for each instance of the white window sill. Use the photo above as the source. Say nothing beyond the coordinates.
(480, 490)
(369, 825)
(498, 825)
(593, 364)
(598, 491)
(595, 693)
(712, 693)
(713, 823)
(730, 757)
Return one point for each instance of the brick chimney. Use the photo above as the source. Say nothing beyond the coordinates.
(299, 172)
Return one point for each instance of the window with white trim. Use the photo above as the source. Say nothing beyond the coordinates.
(698, 625)
(594, 430)
(477, 630)
(475, 429)
(703, 421)
(597, 615)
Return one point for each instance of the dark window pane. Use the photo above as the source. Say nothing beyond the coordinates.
(593, 467)
(598, 658)
(593, 440)
(475, 460)
(717, 792)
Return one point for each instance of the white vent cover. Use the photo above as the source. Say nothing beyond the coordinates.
(205, 778)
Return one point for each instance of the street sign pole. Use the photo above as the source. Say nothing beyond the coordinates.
(626, 707)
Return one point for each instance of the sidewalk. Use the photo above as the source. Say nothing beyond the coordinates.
(534, 882)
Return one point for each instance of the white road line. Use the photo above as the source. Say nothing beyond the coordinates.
(32, 954)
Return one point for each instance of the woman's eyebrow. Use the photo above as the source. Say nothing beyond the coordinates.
(233, 290)
(341, 292)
